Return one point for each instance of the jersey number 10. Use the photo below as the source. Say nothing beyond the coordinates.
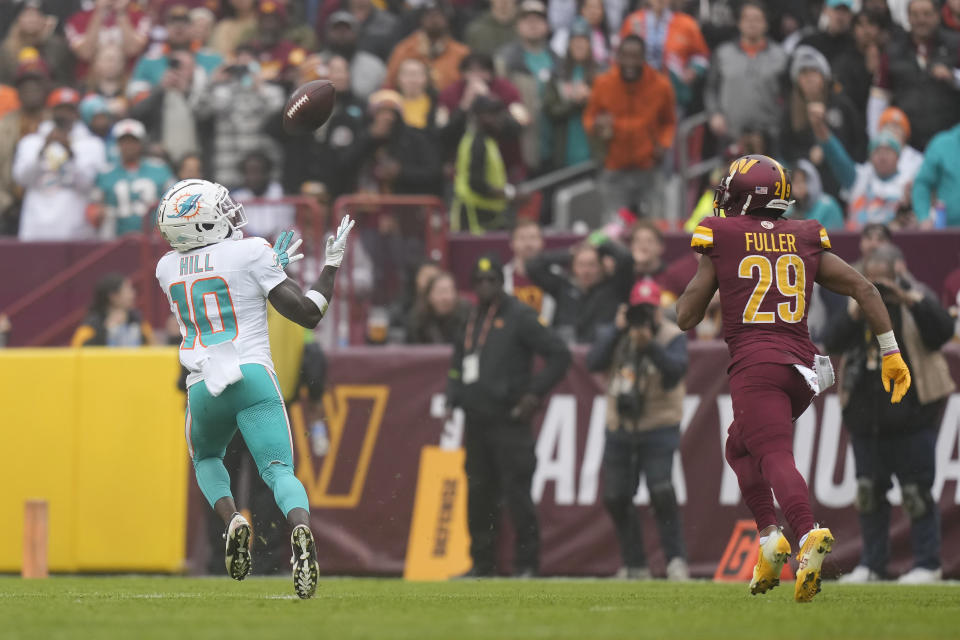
(193, 311)
(790, 287)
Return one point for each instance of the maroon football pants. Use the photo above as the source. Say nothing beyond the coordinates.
(767, 398)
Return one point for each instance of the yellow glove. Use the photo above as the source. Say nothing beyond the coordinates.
(895, 369)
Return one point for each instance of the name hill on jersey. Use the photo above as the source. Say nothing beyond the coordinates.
(191, 264)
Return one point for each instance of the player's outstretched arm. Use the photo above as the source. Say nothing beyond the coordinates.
(695, 299)
(293, 304)
(839, 277)
(307, 309)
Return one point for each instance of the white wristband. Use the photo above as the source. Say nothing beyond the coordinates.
(888, 343)
(317, 298)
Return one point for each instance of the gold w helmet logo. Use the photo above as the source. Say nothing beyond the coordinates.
(742, 165)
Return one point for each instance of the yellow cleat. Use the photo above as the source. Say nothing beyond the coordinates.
(818, 544)
(771, 556)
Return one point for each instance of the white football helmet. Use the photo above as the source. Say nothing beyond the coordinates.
(194, 213)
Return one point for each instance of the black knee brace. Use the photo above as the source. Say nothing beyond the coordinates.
(917, 501)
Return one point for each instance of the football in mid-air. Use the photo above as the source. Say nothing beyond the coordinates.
(309, 107)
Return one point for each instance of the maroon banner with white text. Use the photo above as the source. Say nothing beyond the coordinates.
(384, 404)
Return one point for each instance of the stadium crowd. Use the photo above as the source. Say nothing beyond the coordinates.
(105, 102)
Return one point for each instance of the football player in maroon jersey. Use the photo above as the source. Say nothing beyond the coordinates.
(765, 267)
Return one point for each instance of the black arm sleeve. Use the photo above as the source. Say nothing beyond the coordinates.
(547, 345)
(541, 273)
(670, 360)
(601, 351)
(935, 324)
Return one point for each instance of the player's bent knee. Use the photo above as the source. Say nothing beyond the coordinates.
(917, 501)
(663, 498)
(274, 470)
(866, 501)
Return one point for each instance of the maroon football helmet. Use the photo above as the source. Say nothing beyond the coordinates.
(755, 185)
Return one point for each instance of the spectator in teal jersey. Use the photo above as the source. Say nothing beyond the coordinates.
(528, 63)
(810, 201)
(940, 174)
(154, 64)
(130, 188)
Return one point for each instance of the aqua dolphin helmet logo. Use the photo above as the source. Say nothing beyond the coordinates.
(186, 206)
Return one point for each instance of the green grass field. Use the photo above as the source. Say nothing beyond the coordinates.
(264, 608)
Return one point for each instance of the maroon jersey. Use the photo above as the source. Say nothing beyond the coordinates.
(765, 268)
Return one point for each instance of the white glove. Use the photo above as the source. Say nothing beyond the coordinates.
(337, 243)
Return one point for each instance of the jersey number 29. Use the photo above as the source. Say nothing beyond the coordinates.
(194, 311)
(790, 287)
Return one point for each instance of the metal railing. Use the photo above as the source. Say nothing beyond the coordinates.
(384, 217)
(690, 171)
(62, 323)
(558, 176)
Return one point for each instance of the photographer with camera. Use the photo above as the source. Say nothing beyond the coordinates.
(894, 439)
(646, 357)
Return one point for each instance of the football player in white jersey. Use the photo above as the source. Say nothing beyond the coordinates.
(218, 284)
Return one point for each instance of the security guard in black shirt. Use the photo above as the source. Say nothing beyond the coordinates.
(491, 378)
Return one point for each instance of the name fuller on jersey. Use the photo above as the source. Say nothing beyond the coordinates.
(771, 242)
(191, 264)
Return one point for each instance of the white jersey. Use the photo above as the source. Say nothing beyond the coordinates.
(218, 294)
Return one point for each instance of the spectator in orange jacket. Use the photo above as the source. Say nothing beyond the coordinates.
(433, 45)
(675, 45)
(632, 110)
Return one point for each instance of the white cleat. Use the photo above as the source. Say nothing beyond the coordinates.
(678, 570)
(860, 575)
(919, 575)
(771, 556)
(306, 569)
(237, 556)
